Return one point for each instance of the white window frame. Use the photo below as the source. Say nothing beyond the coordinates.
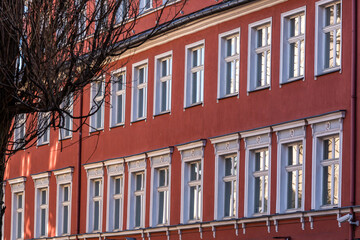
(324, 127)
(289, 134)
(41, 140)
(222, 63)
(253, 50)
(225, 146)
(136, 88)
(142, 6)
(62, 132)
(63, 178)
(41, 182)
(115, 170)
(95, 172)
(285, 42)
(17, 188)
(320, 29)
(256, 140)
(114, 95)
(159, 159)
(20, 128)
(189, 69)
(190, 153)
(94, 99)
(158, 83)
(136, 165)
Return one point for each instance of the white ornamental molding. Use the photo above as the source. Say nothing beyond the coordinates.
(226, 144)
(17, 184)
(136, 162)
(160, 157)
(192, 151)
(41, 180)
(94, 170)
(64, 175)
(115, 166)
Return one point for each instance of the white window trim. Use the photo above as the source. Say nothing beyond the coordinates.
(93, 128)
(115, 168)
(254, 140)
(63, 177)
(157, 86)
(288, 133)
(224, 146)
(40, 140)
(190, 152)
(41, 181)
(113, 101)
(284, 44)
(136, 163)
(94, 172)
(159, 159)
(322, 127)
(134, 107)
(251, 71)
(61, 135)
(187, 89)
(222, 63)
(17, 187)
(318, 31)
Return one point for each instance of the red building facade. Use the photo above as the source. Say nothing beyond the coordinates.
(238, 123)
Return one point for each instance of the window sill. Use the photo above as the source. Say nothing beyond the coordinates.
(229, 96)
(42, 144)
(259, 88)
(162, 113)
(118, 125)
(194, 105)
(329, 206)
(65, 138)
(295, 79)
(139, 120)
(95, 130)
(328, 71)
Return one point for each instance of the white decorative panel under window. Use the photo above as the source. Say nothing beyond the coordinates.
(137, 191)
(192, 161)
(328, 25)
(115, 194)
(290, 166)
(226, 176)
(18, 207)
(292, 59)
(257, 172)
(41, 217)
(229, 60)
(63, 201)
(160, 186)
(95, 176)
(327, 133)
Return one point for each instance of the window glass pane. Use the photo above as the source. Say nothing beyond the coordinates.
(162, 178)
(117, 186)
(119, 108)
(300, 189)
(301, 154)
(195, 79)
(234, 198)
(338, 41)
(120, 82)
(193, 170)
(199, 171)
(65, 219)
(164, 64)
(290, 156)
(161, 207)
(137, 211)
(329, 15)
(228, 166)
(117, 214)
(43, 197)
(227, 199)
(97, 188)
(19, 225)
(266, 193)
(257, 161)
(139, 179)
(141, 103)
(337, 143)
(195, 58)
(268, 29)
(19, 201)
(164, 96)
(302, 57)
(96, 215)
(258, 195)
(198, 204)
(329, 49)
(336, 183)
(66, 193)
(326, 185)
(338, 13)
(192, 202)
(43, 222)
(327, 149)
(260, 37)
(302, 23)
(291, 189)
(141, 75)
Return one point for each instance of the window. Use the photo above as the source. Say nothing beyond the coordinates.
(41, 181)
(122, 11)
(139, 97)
(136, 196)
(101, 19)
(144, 5)
(163, 74)
(229, 49)
(259, 59)
(97, 105)
(115, 170)
(194, 82)
(192, 181)
(95, 197)
(328, 36)
(18, 207)
(257, 173)
(43, 128)
(63, 202)
(290, 171)
(293, 45)
(160, 186)
(20, 130)
(66, 122)
(81, 28)
(226, 176)
(118, 98)
(327, 153)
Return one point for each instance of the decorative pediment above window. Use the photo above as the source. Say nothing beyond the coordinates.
(17, 184)
(115, 166)
(64, 175)
(257, 138)
(160, 157)
(226, 144)
(192, 151)
(136, 162)
(94, 170)
(41, 180)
